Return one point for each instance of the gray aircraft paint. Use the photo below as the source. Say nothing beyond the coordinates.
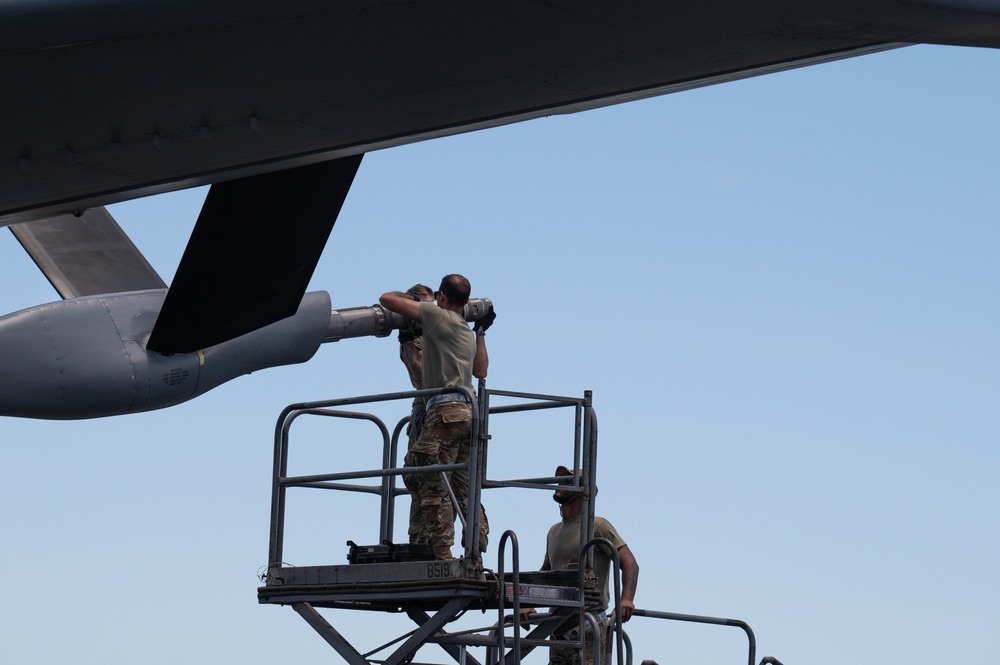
(87, 358)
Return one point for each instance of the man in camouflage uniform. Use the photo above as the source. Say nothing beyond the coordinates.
(562, 552)
(450, 356)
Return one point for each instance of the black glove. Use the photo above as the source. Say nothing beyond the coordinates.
(484, 323)
(407, 334)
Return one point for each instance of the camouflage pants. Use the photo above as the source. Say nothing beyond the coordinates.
(444, 438)
(570, 656)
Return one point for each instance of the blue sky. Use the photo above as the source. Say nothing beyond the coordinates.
(782, 292)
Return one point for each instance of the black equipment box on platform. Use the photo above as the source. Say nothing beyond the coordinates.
(388, 552)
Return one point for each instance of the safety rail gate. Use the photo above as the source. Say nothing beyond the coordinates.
(434, 593)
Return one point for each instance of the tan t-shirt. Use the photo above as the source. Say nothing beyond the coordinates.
(562, 551)
(449, 348)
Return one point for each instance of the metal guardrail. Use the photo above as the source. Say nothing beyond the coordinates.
(330, 408)
(694, 618)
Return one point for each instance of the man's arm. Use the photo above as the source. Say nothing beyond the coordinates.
(630, 579)
(481, 363)
(401, 303)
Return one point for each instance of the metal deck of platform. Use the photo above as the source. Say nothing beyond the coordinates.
(428, 585)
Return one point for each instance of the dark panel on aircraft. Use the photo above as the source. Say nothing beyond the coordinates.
(252, 254)
(86, 255)
(106, 101)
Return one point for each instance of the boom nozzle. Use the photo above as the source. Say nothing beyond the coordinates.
(377, 321)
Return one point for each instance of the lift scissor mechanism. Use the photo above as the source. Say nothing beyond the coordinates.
(400, 578)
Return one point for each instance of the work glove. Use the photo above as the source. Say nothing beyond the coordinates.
(410, 331)
(483, 324)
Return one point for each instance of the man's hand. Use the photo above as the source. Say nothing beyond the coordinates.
(483, 324)
(628, 607)
(525, 612)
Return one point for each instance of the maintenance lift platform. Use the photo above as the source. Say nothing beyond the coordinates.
(402, 578)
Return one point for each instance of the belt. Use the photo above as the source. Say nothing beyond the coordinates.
(446, 397)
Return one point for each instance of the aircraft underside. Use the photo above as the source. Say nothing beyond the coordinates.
(117, 101)
(275, 104)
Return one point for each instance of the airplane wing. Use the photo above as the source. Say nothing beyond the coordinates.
(108, 100)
